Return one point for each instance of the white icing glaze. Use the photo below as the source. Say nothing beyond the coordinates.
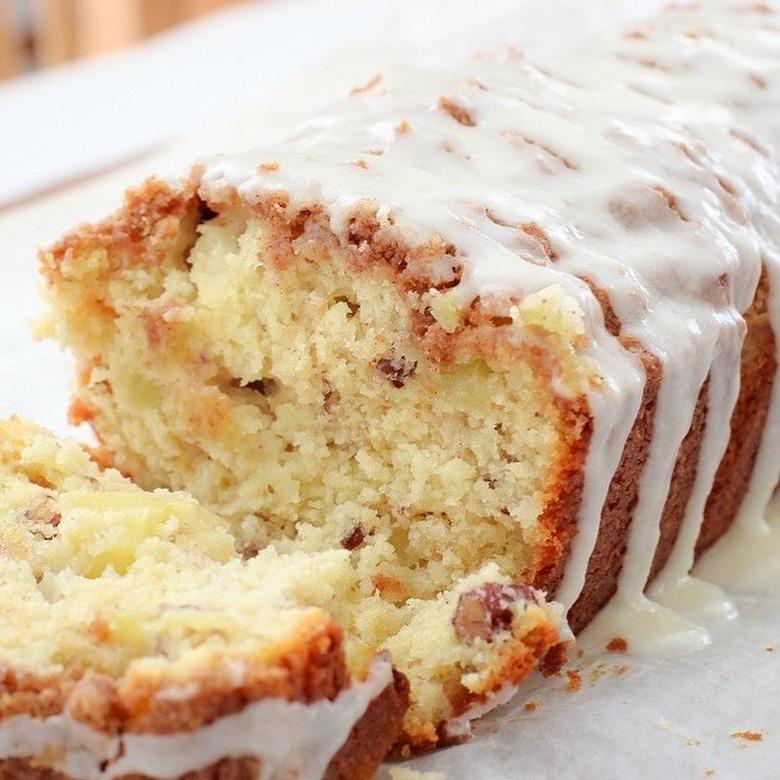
(289, 738)
(77, 750)
(675, 587)
(614, 411)
(747, 558)
(649, 161)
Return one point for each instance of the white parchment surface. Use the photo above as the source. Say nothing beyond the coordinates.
(712, 713)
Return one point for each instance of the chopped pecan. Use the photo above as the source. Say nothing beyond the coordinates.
(44, 517)
(487, 610)
(267, 386)
(555, 659)
(354, 538)
(397, 369)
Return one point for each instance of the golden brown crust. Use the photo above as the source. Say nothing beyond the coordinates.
(307, 670)
(227, 769)
(682, 485)
(515, 665)
(373, 735)
(357, 759)
(747, 423)
(141, 231)
(561, 512)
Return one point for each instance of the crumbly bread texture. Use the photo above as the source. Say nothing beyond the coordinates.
(110, 595)
(292, 395)
(317, 401)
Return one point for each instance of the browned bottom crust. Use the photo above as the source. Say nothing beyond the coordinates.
(227, 769)
(373, 735)
(368, 743)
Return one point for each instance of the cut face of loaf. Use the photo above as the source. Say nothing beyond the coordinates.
(316, 405)
(294, 397)
(130, 613)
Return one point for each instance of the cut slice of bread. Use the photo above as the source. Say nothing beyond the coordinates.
(131, 626)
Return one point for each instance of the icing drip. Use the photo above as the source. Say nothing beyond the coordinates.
(674, 587)
(748, 556)
(646, 163)
(614, 411)
(289, 738)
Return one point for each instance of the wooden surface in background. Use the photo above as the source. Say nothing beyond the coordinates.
(11, 60)
(63, 30)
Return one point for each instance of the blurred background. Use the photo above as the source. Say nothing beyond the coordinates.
(40, 33)
(89, 86)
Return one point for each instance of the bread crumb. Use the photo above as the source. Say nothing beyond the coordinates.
(575, 681)
(749, 736)
(532, 705)
(617, 645)
(268, 166)
(554, 660)
(602, 670)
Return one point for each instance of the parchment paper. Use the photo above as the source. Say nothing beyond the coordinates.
(713, 713)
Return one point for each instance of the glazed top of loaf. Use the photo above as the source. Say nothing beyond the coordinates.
(628, 157)
(644, 165)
